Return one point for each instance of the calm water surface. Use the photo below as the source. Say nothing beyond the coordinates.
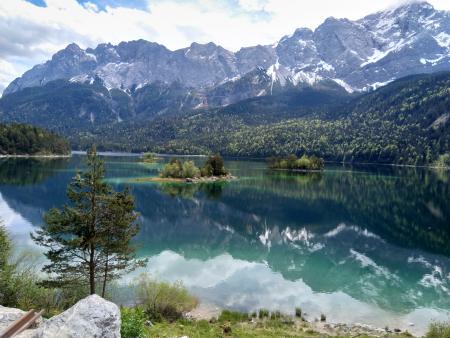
(359, 244)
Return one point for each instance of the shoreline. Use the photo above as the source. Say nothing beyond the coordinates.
(210, 313)
(252, 158)
(156, 179)
(36, 156)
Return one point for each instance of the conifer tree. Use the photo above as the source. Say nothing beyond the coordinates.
(89, 239)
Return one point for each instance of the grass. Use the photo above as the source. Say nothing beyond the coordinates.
(233, 328)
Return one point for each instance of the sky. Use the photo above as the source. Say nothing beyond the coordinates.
(33, 30)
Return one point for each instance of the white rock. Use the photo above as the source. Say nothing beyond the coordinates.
(91, 317)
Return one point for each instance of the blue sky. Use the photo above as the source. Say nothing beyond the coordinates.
(33, 30)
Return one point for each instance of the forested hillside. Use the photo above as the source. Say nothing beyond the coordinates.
(405, 122)
(20, 139)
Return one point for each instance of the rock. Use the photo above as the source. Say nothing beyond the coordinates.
(91, 317)
(9, 315)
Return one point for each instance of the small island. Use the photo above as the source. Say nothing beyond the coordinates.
(21, 140)
(176, 171)
(304, 163)
(148, 158)
(443, 161)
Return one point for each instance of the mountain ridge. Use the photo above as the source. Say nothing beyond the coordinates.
(359, 55)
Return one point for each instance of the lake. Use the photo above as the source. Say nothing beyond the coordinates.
(361, 244)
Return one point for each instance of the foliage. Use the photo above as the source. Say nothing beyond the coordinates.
(443, 161)
(148, 158)
(293, 163)
(21, 139)
(266, 328)
(233, 316)
(214, 166)
(20, 285)
(176, 169)
(6, 269)
(263, 313)
(162, 300)
(133, 323)
(438, 330)
(89, 240)
(402, 122)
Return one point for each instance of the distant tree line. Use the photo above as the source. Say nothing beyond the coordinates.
(292, 162)
(21, 139)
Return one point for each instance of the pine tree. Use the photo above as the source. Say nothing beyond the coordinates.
(89, 239)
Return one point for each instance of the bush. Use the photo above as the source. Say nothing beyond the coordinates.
(263, 313)
(173, 169)
(162, 300)
(438, 330)
(148, 158)
(443, 161)
(298, 312)
(190, 170)
(176, 169)
(275, 315)
(133, 323)
(293, 163)
(214, 166)
(21, 286)
(233, 316)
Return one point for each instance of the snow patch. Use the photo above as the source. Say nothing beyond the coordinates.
(345, 85)
(443, 39)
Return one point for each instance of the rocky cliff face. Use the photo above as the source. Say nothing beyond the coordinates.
(358, 55)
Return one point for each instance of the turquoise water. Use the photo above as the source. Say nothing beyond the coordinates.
(359, 244)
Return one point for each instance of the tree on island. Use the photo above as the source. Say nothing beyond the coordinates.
(291, 162)
(148, 158)
(213, 166)
(89, 240)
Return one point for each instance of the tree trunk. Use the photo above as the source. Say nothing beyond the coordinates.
(92, 270)
(105, 277)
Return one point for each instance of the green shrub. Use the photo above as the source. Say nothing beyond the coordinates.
(233, 316)
(162, 300)
(275, 315)
(173, 169)
(176, 169)
(21, 286)
(438, 330)
(443, 161)
(293, 163)
(133, 323)
(214, 166)
(190, 170)
(148, 158)
(263, 313)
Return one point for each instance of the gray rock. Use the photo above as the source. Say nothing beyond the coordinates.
(91, 317)
(9, 315)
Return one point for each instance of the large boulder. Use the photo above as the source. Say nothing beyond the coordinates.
(91, 317)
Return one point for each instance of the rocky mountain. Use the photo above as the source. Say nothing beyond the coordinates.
(358, 55)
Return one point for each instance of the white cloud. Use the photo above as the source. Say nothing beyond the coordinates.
(31, 34)
(7, 72)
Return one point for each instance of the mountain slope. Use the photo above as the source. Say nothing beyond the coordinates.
(358, 55)
(406, 122)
